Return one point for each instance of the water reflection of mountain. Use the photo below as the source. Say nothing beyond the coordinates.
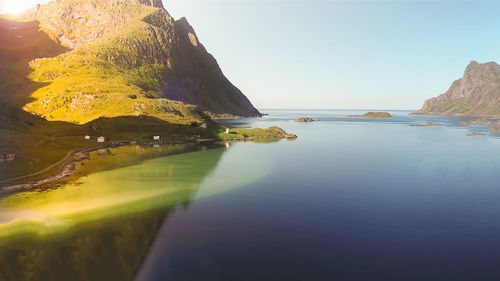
(110, 247)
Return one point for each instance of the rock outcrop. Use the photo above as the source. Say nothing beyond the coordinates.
(477, 93)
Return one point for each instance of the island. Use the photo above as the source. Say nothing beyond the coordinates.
(374, 115)
(255, 134)
(476, 134)
(307, 120)
(427, 124)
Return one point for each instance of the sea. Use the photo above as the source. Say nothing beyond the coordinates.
(349, 199)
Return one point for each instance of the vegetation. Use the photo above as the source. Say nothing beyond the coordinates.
(78, 87)
(104, 79)
(71, 72)
(256, 133)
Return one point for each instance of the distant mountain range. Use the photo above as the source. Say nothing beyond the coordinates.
(477, 93)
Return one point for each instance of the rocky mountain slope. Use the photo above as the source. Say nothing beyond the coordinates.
(124, 58)
(477, 93)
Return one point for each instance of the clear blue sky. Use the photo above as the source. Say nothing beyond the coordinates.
(349, 54)
(331, 54)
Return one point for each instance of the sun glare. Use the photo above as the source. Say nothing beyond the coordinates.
(16, 6)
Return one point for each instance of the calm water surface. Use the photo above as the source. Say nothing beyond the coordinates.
(350, 199)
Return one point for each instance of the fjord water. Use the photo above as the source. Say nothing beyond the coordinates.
(350, 199)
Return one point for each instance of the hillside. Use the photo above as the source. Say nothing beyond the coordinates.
(123, 58)
(477, 93)
(121, 69)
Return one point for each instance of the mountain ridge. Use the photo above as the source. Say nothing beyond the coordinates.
(127, 58)
(76, 68)
(477, 93)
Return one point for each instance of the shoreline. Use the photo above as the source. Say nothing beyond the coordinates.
(68, 166)
(66, 169)
(455, 115)
(68, 163)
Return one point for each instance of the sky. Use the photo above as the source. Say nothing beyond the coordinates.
(341, 54)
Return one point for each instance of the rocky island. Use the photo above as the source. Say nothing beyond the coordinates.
(476, 134)
(427, 124)
(307, 120)
(374, 115)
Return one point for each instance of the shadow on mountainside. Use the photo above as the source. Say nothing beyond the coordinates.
(20, 43)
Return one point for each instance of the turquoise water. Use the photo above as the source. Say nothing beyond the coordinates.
(350, 199)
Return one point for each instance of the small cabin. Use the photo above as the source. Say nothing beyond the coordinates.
(87, 137)
(203, 125)
(227, 130)
(7, 156)
(101, 139)
(156, 137)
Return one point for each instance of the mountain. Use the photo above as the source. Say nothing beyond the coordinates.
(123, 69)
(477, 93)
(111, 58)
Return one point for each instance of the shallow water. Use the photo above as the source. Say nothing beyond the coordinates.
(350, 199)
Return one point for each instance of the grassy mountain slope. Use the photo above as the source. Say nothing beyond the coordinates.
(123, 69)
(39, 143)
(127, 59)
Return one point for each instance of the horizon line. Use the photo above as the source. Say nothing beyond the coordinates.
(336, 109)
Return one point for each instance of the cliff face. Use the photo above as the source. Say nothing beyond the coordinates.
(126, 57)
(477, 93)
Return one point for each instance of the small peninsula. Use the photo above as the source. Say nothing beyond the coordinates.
(374, 115)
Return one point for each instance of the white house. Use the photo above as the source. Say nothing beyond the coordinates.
(227, 130)
(87, 137)
(203, 125)
(101, 139)
(7, 156)
(156, 137)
